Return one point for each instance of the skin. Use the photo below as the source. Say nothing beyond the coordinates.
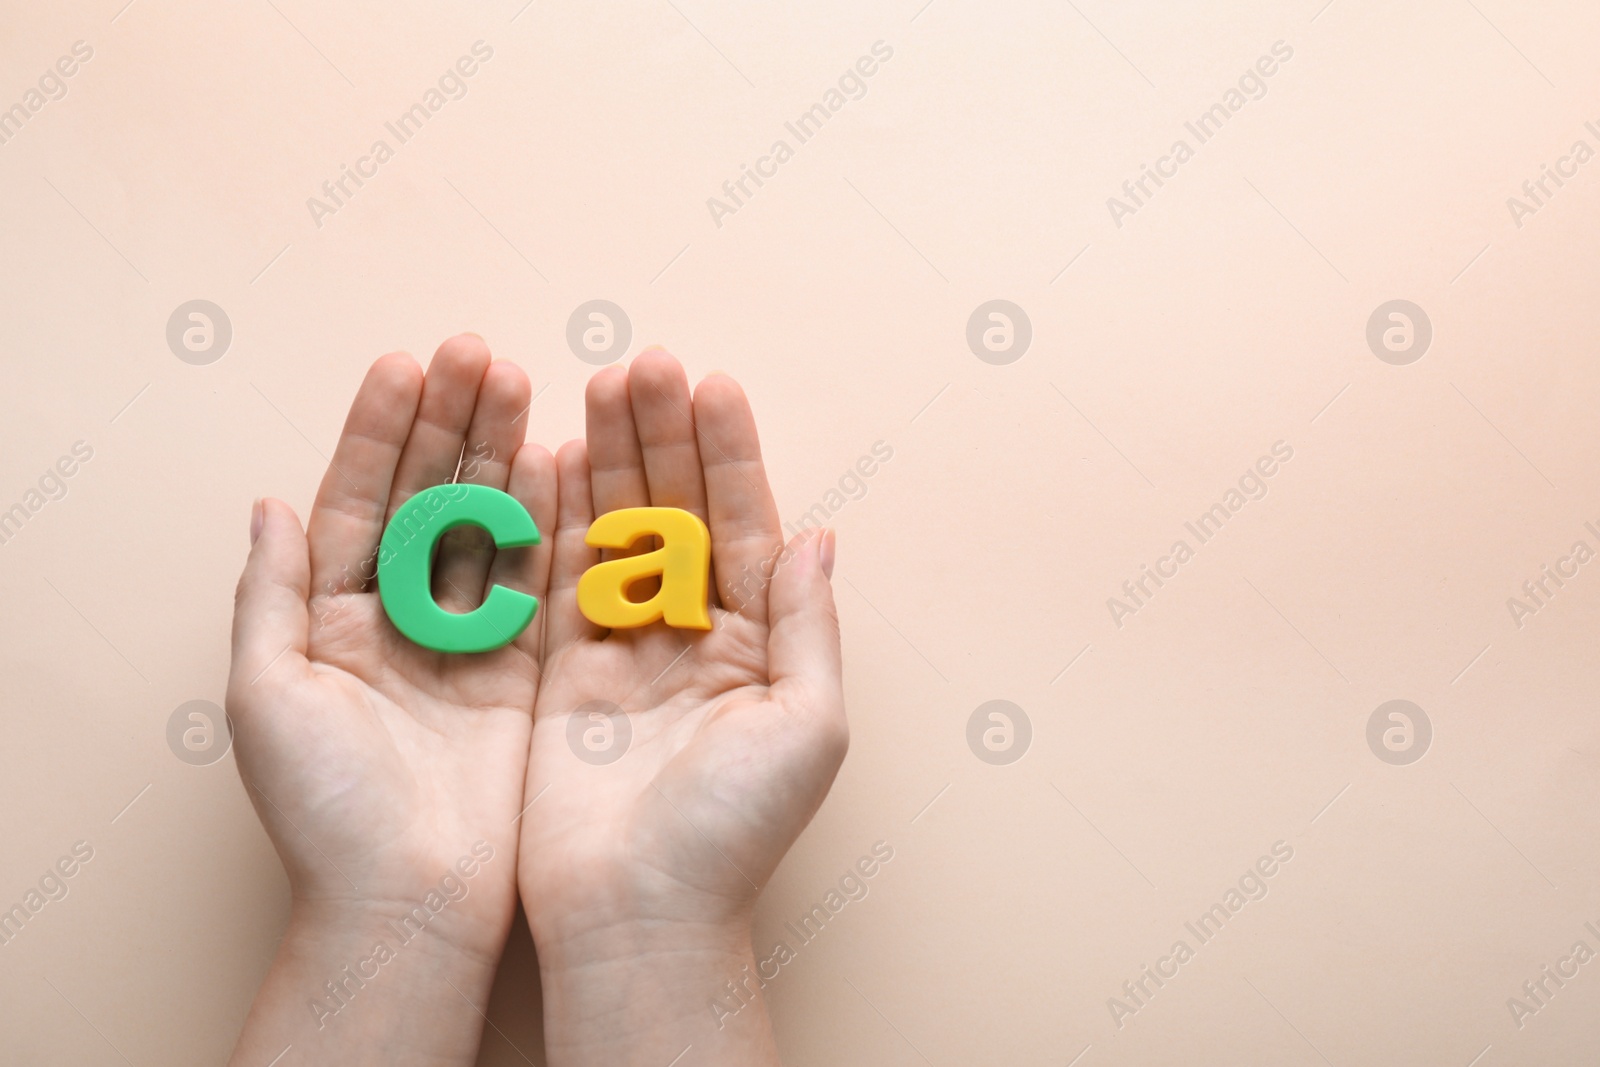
(383, 771)
(639, 877)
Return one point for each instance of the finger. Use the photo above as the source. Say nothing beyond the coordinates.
(745, 535)
(663, 415)
(351, 506)
(271, 621)
(492, 440)
(803, 659)
(572, 555)
(532, 480)
(449, 394)
(616, 464)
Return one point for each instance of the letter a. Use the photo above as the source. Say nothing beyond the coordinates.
(319, 210)
(683, 561)
(1118, 1010)
(1118, 209)
(1518, 209)
(717, 208)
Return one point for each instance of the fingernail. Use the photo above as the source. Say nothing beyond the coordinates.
(825, 553)
(255, 520)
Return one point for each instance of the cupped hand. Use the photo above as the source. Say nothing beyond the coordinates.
(376, 764)
(734, 734)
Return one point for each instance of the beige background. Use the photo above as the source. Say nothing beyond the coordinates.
(1227, 314)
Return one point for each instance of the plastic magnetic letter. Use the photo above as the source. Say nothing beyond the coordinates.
(405, 568)
(683, 561)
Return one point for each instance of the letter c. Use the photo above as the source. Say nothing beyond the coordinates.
(764, 172)
(363, 171)
(1163, 573)
(1163, 171)
(405, 565)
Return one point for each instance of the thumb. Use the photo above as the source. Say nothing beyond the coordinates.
(270, 619)
(803, 658)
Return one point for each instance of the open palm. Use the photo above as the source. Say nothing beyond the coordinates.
(671, 769)
(376, 764)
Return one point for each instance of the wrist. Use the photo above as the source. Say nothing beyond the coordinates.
(352, 985)
(643, 990)
(395, 928)
(464, 907)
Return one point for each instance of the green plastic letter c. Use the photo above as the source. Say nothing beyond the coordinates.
(405, 568)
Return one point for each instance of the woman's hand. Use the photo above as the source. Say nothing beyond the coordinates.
(378, 766)
(639, 876)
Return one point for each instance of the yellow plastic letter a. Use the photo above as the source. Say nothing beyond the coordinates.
(683, 561)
